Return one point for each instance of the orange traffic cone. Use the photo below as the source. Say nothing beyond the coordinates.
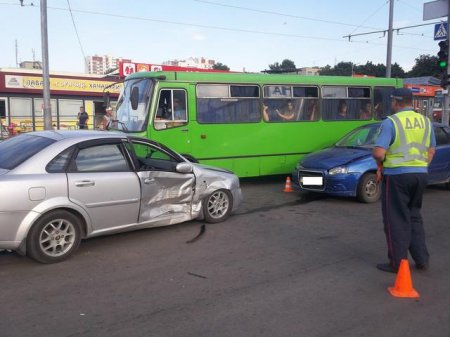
(288, 186)
(403, 283)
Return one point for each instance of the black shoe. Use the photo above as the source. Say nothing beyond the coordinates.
(387, 267)
(422, 266)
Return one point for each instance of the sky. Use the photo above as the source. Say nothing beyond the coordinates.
(243, 34)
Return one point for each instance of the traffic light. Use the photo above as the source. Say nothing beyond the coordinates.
(443, 63)
(443, 54)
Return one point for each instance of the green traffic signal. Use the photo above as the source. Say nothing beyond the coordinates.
(443, 55)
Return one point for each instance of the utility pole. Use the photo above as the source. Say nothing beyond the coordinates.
(445, 108)
(45, 70)
(389, 45)
(17, 55)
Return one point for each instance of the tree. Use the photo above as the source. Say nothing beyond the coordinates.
(369, 69)
(426, 65)
(286, 66)
(340, 69)
(220, 66)
(397, 71)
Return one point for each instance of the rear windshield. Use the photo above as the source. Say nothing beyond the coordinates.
(14, 151)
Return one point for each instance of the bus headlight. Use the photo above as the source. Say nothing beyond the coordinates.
(338, 170)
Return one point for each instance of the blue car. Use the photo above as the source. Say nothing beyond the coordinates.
(348, 169)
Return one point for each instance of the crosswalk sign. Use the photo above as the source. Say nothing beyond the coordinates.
(441, 31)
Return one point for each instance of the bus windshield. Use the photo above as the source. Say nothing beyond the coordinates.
(129, 119)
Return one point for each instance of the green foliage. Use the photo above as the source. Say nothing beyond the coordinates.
(368, 69)
(286, 66)
(426, 65)
(220, 66)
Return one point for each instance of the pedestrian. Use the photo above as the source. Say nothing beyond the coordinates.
(107, 119)
(83, 118)
(404, 148)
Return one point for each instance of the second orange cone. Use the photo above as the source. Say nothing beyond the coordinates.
(403, 284)
(288, 185)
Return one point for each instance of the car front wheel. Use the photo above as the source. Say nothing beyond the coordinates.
(368, 189)
(54, 237)
(217, 206)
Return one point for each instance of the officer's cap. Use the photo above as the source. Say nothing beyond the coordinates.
(402, 94)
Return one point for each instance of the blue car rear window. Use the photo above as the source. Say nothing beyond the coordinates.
(14, 151)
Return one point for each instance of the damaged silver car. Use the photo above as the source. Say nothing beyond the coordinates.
(58, 187)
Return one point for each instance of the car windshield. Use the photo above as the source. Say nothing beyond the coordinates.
(14, 151)
(364, 136)
(129, 119)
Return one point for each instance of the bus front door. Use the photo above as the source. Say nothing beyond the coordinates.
(171, 119)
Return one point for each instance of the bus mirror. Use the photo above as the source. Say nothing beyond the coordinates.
(106, 99)
(134, 98)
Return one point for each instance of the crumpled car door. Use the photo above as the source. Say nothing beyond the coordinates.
(166, 197)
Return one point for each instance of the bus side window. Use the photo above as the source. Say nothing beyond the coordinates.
(226, 104)
(382, 102)
(346, 103)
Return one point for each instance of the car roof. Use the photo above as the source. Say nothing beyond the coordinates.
(69, 134)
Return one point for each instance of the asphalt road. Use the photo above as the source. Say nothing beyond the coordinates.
(285, 265)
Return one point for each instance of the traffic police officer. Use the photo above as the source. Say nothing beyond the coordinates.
(405, 146)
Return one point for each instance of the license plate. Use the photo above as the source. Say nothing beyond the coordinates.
(316, 181)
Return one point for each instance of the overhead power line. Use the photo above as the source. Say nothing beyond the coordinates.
(282, 14)
(370, 16)
(76, 32)
(139, 18)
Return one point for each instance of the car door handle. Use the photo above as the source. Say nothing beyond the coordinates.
(84, 183)
(184, 130)
(149, 180)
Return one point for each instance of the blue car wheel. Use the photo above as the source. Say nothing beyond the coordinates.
(368, 189)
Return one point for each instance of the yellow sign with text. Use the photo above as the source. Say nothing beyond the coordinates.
(66, 84)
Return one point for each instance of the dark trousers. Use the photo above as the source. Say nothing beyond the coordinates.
(401, 202)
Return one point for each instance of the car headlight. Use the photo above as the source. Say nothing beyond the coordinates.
(298, 166)
(338, 170)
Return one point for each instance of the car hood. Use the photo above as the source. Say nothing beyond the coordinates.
(334, 156)
(212, 168)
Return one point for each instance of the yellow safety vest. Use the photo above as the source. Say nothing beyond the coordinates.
(411, 142)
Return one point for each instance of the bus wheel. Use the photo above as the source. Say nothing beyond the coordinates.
(190, 158)
(217, 206)
(54, 237)
(368, 189)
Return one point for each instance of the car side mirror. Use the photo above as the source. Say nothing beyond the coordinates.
(134, 98)
(184, 167)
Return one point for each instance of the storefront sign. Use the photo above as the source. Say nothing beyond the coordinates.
(59, 84)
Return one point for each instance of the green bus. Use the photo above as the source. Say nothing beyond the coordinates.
(251, 124)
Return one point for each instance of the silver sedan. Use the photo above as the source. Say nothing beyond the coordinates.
(58, 187)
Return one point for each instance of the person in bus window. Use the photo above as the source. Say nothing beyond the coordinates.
(288, 112)
(266, 112)
(366, 110)
(270, 113)
(311, 113)
(179, 110)
(342, 110)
